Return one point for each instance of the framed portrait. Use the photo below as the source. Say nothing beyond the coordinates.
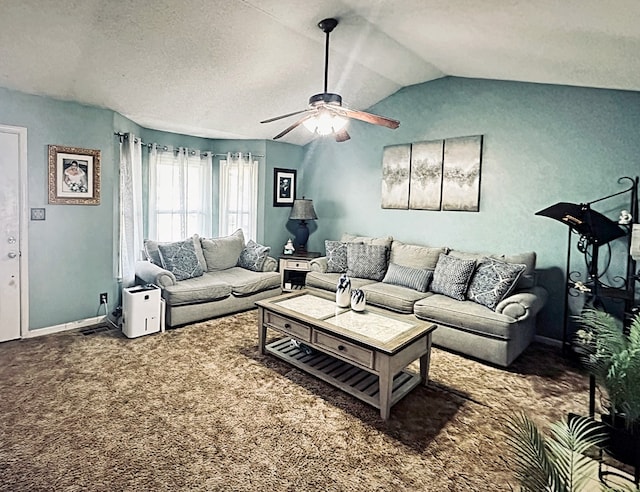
(284, 187)
(74, 176)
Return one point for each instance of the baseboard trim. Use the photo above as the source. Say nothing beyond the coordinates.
(72, 325)
(548, 341)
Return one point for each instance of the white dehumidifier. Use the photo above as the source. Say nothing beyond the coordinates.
(141, 310)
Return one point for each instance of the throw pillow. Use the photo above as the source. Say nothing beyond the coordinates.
(336, 256)
(413, 278)
(253, 256)
(493, 281)
(180, 259)
(451, 276)
(221, 253)
(366, 261)
(152, 253)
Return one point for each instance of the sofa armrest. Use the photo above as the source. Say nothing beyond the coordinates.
(523, 304)
(319, 264)
(270, 264)
(153, 274)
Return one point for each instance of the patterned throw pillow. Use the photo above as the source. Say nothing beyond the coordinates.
(493, 281)
(180, 259)
(413, 278)
(253, 256)
(451, 276)
(152, 253)
(366, 261)
(336, 256)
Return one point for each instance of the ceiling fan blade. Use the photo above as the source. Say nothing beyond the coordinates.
(284, 116)
(295, 125)
(374, 119)
(342, 136)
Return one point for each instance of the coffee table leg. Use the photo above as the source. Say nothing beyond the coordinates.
(385, 386)
(425, 360)
(262, 331)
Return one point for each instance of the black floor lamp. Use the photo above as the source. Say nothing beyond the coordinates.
(595, 230)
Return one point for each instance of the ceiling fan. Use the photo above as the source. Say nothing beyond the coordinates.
(326, 114)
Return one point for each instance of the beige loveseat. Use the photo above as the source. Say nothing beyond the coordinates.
(206, 278)
(485, 305)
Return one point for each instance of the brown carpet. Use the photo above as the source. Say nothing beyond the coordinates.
(197, 408)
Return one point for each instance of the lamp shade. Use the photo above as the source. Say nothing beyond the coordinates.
(303, 210)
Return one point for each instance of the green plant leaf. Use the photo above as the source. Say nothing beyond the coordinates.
(556, 463)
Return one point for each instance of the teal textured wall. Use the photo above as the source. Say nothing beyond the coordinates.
(542, 144)
(73, 253)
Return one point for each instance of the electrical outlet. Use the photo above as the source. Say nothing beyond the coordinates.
(103, 298)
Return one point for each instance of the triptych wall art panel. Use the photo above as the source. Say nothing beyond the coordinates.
(433, 175)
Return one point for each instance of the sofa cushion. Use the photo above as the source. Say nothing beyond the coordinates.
(152, 253)
(253, 256)
(413, 278)
(194, 290)
(492, 281)
(336, 256)
(366, 261)
(180, 259)
(245, 282)
(451, 276)
(466, 315)
(394, 297)
(377, 241)
(223, 252)
(329, 281)
(415, 256)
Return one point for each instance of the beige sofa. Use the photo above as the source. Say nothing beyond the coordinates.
(485, 305)
(227, 276)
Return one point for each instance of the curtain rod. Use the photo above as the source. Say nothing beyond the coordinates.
(122, 136)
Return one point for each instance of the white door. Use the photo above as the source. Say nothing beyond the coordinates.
(12, 202)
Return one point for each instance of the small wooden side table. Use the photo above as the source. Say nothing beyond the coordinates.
(294, 268)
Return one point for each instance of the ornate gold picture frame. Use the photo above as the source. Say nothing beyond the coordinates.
(74, 176)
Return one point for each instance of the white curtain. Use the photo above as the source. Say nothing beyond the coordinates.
(239, 195)
(130, 235)
(179, 193)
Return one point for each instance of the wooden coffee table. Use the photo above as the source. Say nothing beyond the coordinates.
(364, 354)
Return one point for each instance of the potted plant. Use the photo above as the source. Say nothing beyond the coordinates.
(612, 355)
(555, 463)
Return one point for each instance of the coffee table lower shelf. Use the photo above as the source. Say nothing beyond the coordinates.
(347, 377)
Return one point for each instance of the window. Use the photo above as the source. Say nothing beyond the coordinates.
(179, 194)
(239, 195)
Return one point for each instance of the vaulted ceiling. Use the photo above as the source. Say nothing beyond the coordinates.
(215, 68)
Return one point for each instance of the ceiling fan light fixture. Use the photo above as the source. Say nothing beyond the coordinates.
(325, 123)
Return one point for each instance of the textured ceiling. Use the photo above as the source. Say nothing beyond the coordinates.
(215, 68)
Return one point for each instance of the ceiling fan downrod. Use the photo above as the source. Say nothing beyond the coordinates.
(327, 25)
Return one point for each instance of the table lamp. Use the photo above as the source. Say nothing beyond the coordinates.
(302, 210)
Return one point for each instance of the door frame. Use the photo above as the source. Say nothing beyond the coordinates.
(23, 217)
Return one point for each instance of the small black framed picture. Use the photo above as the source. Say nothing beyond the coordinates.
(284, 187)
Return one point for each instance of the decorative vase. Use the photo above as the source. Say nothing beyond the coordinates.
(288, 248)
(358, 300)
(343, 291)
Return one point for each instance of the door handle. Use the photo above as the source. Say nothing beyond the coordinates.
(12, 254)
